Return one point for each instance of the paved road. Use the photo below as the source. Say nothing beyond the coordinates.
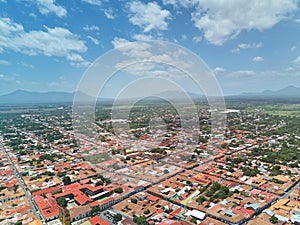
(33, 206)
(290, 191)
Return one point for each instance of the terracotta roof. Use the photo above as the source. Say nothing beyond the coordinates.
(82, 199)
(96, 220)
(75, 211)
(173, 222)
(153, 198)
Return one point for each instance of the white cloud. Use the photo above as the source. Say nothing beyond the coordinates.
(93, 2)
(49, 6)
(109, 13)
(236, 50)
(148, 16)
(250, 45)
(142, 37)
(55, 41)
(117, 42)
(219, 70)
(246, 46)
(77, 61)
(197, 39)
(297, 60)
(293, 48)
(91, 28)
(153, 61)
(297, 20)
(26, 65)
(242, 74)
(178, 3)
(5, 62)
(74, 57)
(94, 40)
(258, 59)
(224, 20)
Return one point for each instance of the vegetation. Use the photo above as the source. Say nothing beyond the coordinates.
(117, 217)
(140, 220)
(66, 180)
(15, 188)
(62, 202)
(273, 219)
(134, 200)
(118, 190)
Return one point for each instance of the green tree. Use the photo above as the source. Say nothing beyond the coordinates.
(95, 210)
(201, 199)
(66, 180)
(134, 200)
(140, 220)
(118, 217)
(62, 202)
(60, 174)
(118, 190)
(99, 183)
(273, 219)
(15, 188)
(194, 220)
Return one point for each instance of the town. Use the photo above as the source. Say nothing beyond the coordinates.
(152, 172)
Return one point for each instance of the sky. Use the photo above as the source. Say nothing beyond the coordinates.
(48, 45)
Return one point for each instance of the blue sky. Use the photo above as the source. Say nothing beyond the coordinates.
(47, 45)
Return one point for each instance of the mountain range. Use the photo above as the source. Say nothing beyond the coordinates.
(29, 97)
(287, 92)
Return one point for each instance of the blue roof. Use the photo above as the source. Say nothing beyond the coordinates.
(229, 212)
(255, 206)
(224, 202)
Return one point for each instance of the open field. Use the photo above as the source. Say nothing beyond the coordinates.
(278, 109)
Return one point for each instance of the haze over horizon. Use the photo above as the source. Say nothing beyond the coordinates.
(48, 45)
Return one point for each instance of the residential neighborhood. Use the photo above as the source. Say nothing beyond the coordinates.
(48, 175)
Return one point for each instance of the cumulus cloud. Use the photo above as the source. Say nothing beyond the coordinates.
(258, 59)
(55, 41)
(178, 3)
(246, 46)
(297, 60)
(146, 60)
(5, 62)
(142, 37)
(91, 28)
(224, 20)
(93, 2)
(197, 39)
(250, 45)
(49, 6)
(109, 13)
(117, 42)
(94, 40)
(148, 16)
(219, 70)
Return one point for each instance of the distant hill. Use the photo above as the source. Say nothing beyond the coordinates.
(287, 92)
(29, 97)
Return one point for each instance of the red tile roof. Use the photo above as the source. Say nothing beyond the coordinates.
(96, 220)
(153, 198)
